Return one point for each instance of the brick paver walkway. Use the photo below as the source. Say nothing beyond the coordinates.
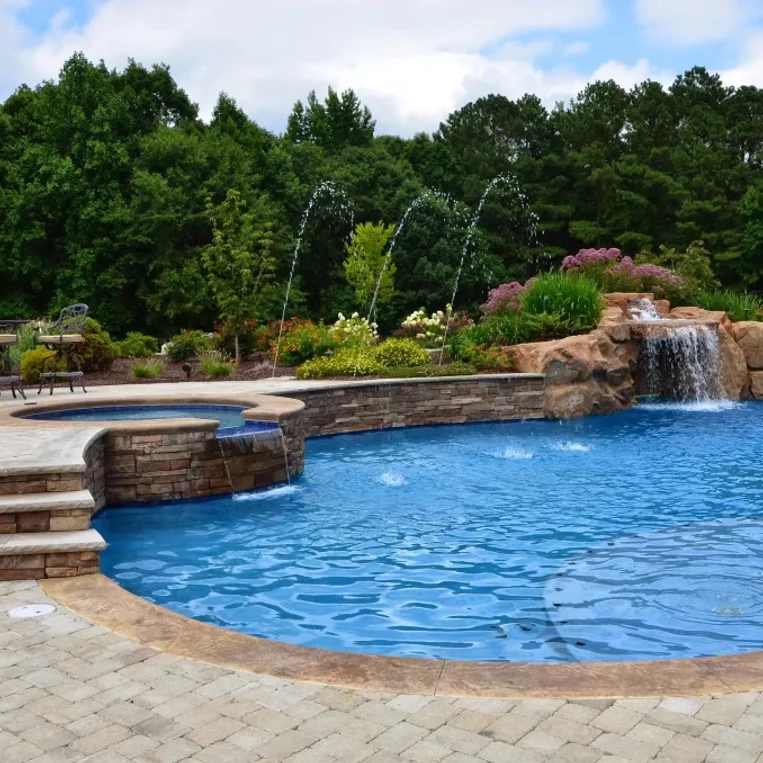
(72, 691)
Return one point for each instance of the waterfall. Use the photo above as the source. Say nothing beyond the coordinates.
(253, 435)
(682, 363)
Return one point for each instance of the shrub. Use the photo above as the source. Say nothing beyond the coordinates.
(495, 359)
(147, 369)
(694, 266)
(453, 369)
(301, 341)
(215, 365)
(574, 299)
(353, 331)
(613, 272)
(98, 351)
(507, 329)
(249, 340)
(740, 306)
(187, 345)
(359, 361)
(137, 345)
(27, 334)
(34, 362)
(506, 298)
(402, 352)
(428, 330)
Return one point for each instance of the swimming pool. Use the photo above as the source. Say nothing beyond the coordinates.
(627, 537)
(227, 415)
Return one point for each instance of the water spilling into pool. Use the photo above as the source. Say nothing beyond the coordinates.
(624, 537)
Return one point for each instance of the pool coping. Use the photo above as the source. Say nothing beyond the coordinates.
(256, 407)
(103, 602)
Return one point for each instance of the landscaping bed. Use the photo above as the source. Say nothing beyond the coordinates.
(121, 373)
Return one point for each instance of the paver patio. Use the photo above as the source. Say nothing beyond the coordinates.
(73, 691)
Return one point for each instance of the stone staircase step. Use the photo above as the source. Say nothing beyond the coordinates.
(63, 501)
(33, 556)
(18, 544)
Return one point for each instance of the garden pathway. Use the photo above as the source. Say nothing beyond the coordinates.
(73, 691)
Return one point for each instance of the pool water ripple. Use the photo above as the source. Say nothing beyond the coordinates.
(428, 542)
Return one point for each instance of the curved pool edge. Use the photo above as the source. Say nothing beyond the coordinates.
(103, 602)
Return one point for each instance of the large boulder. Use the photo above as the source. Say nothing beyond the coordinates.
(749, 337)
(756, 384)
(734, 373)
(699, 314)
(615, 324)
(623, 299)
(584, 374)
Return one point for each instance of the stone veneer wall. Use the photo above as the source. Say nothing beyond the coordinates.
(377, 405)
(39, 566)
(189, 464)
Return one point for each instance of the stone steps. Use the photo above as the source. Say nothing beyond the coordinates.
(61, 511)
(62, 501)
(25, 556)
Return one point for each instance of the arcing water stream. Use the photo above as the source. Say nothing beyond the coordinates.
(324, 189)
(513, 186)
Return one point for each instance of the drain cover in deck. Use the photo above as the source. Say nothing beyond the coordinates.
(32, 610)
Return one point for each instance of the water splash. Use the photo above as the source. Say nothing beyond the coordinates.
(644, 310)
(512, 185)
(683, 364)
(516, 454)
(330, 190)
(268, 493)
(426, 197)
(571, 447)
(392, 479)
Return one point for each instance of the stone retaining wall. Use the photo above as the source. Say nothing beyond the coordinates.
(189, 464)
(384, 405)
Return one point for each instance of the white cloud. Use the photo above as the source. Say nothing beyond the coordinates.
(411, 61)
(577, 48)
(689, 22)
(750, 69)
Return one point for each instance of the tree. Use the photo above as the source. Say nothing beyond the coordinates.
(365, 264)
(238, 262)
(340, 121)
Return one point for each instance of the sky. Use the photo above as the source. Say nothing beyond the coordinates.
(411, 61)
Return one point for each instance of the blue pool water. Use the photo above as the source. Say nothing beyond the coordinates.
(228, 416)
(633, 536)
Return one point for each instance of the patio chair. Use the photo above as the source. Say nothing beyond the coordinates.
(9, 374)
(65, 334)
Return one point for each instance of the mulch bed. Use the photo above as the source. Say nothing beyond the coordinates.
(120, 373)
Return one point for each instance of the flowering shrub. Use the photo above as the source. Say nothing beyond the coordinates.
(429, 330)
(354, 331)
(301, 340)
(613, 272)
(592, 259)
(506, 298)
(349, 361)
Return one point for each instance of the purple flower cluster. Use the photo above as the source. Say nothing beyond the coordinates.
(590, 258)
(626, 268)
(504, 298)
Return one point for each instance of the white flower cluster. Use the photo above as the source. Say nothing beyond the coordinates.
(354, 330)
(430, 327)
